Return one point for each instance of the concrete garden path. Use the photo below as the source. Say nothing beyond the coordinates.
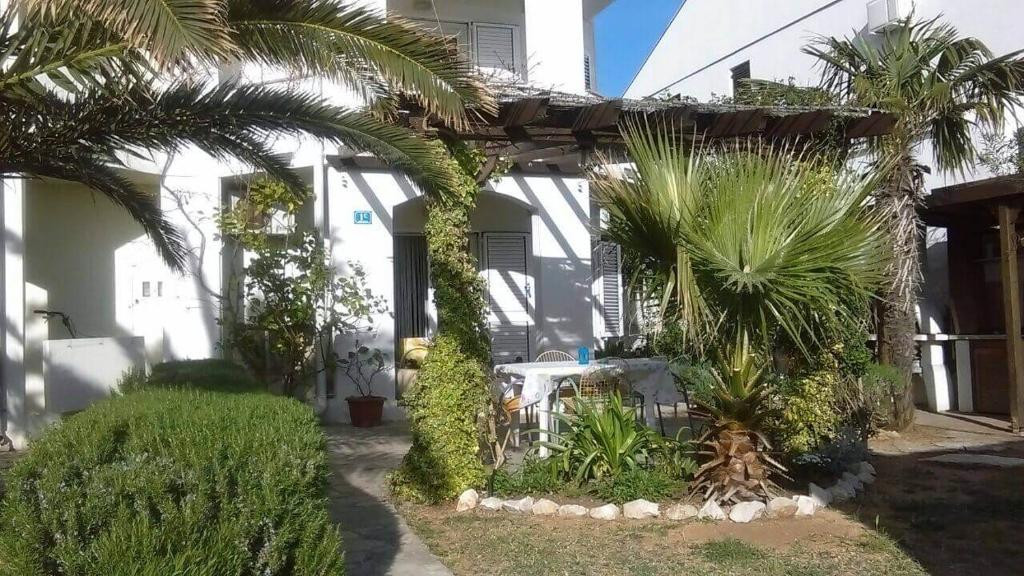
(376, 539)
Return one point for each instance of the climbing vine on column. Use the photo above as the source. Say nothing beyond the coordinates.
(452, 388)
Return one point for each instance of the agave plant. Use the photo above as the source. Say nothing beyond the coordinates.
(750, 242)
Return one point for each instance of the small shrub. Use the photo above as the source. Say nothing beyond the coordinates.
(450, 394)
(603, 439)
(211, 374)
(132, 380)
(533, 477)
(173, 482)
(881, 386)
(698, 378)
(654, 484)
(805, 413)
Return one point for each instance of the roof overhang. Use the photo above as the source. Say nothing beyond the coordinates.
(973, 203)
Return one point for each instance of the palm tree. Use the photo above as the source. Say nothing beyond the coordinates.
(741, 245)
(940, 86)
(87, 80)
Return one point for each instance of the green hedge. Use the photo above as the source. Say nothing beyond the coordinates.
(173, 482)
(210, 374)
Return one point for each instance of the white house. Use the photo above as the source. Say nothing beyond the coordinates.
(552, 283)
(711, 45)
(69, 253)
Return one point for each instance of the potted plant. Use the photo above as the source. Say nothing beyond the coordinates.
(361, 366)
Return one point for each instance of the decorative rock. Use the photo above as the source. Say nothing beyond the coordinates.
(544, 507)
(523, 506)
(493, 504)
(571, 511)
(866, 478)
(606, 512)
(861, 468)
(467, 500)
(681, 512)
(745, 512)
(806, 505)
(639, 509)
(842, 492)
(853, 482)
(822, 497)
(782, 508)
(711, 511)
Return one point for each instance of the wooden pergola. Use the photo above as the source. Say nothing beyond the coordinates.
(969, 212)
(546, 130)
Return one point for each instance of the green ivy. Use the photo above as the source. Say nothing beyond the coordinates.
(452, 390)
(443, 406)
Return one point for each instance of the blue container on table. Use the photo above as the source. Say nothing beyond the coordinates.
(584, 355)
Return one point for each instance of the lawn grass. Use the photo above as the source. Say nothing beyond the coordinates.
(503, 545)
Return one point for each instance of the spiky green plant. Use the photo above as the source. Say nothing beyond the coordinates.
(940, 86)
(741, 244)
(87, 80)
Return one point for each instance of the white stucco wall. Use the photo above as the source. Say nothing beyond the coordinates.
(552, 209)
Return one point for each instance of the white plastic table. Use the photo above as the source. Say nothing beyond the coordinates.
(649, 377)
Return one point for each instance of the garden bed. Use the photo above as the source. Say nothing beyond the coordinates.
(827, 544)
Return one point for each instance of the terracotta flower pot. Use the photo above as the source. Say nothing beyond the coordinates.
(366, 411)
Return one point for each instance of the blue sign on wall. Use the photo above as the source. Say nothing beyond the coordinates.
(362, 217)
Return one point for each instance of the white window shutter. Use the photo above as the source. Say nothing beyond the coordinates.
(588, 81)
(495, 47)
(609, 259)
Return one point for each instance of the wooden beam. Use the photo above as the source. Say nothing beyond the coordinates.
(598, 116)
(1008, 243)
(543, 153)
(524, 111)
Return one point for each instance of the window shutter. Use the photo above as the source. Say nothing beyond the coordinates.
(609, 268)
(587, 78)
(495, 47)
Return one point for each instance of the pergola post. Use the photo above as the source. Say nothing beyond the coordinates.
(1008, 242)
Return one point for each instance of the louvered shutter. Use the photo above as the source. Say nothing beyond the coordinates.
(610, 279)
(588, 81)
(495, 47)
(508, 296)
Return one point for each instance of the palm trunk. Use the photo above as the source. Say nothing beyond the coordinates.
(898, 201)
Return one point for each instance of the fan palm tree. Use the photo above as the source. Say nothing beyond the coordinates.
(741, 244)
(940, 86)
(87, 80)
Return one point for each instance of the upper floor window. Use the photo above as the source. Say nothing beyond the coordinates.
(588, 77)
(739, 75)
(490, 46)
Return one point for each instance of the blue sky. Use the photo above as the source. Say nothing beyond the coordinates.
(626, 31)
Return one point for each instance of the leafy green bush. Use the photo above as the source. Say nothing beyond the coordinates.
(698, 377)
(882, 385)
(211, 374)
(450, 394)
(173, 482)
(805, 413)
(652, 484)
(603, 439)
(533, 477)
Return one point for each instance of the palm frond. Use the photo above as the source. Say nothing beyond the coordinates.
(72, 57)
(168, 30)
(350, 43)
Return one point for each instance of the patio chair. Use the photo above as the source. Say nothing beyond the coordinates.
(596, 384)
(555, 356)
(548, 356)
(681, 385)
